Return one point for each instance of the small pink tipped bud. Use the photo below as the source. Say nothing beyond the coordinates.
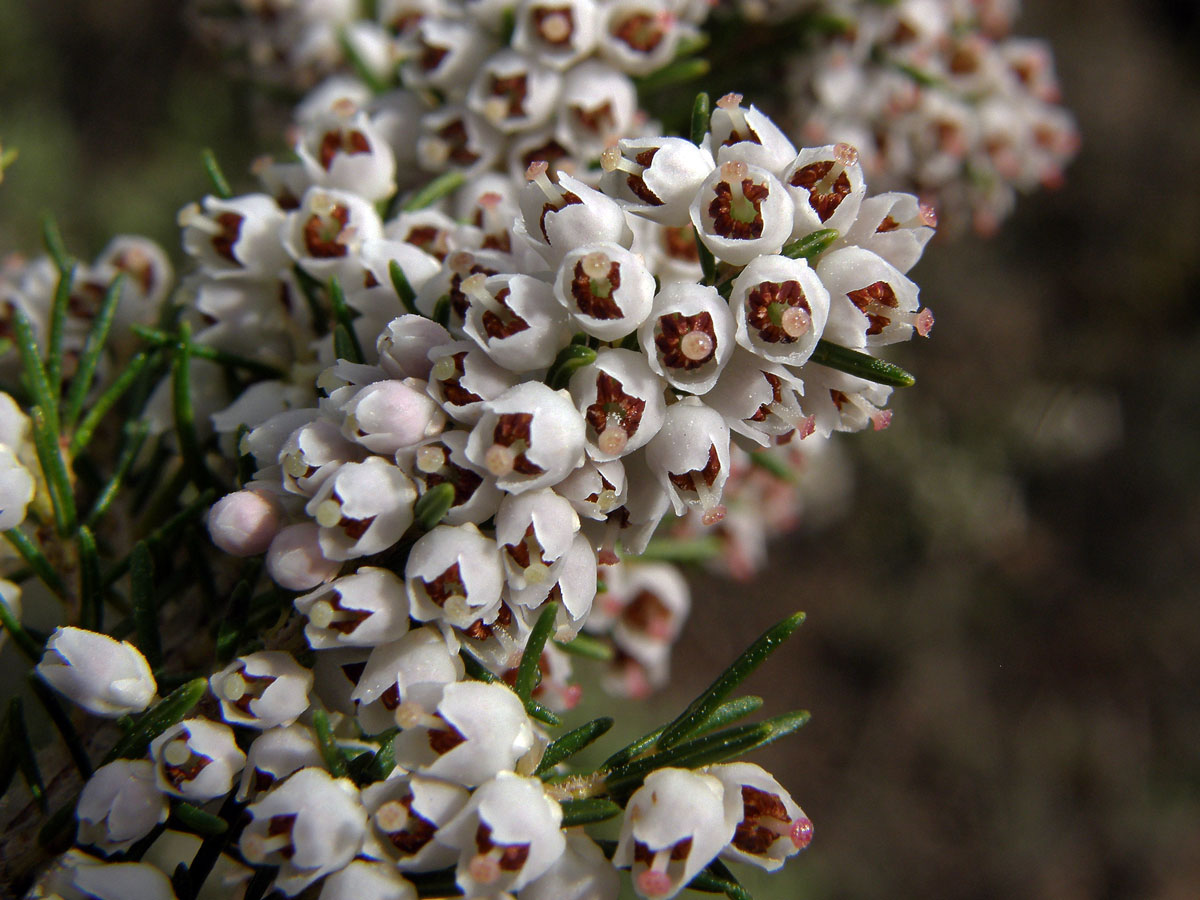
(608, 557)
(881, 419)
(244, 523)
(484, 869)
(652, 883)
(802, 832)
(571, 695)
(924, 322)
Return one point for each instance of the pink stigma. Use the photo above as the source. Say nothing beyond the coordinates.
(928, 215)
(802, 832)
(654, 884)
(881, 419)
(808, 426)
(484, 869)
(571, 695)
(925, 322)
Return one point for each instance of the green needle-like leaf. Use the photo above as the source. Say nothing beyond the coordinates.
(572, 742)
(587, 811)
(157, 719)
(708, 262)
(35, 372)
(62, 722)
(478, 671)
(384, 760)
(542, 713)
(432, 506)
(632, 750)
(160, 338)
(145, 604)
(24, 641)
(91, 592)
(529, 671)
(345, 341)
(681, 550)
(861, 365)
(569, 360)
(404, 290)
(730, 711)
(364, 72)
(52, 239)
(811, 245)
(334, 756)
(185, 416)
(588, 647)
(62, 496)
(58, 327)
(93, 347)
(197, 821)
(233, 626)
(704, 705)
(442, 186)
(213, 168)
(123, 382)
(710, 883)
(36, 560)
(442, 310)
(701, 114)
(26, 758)
(680, 71)
(773, 465)
(311, 289)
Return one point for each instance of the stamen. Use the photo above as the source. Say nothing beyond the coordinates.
(322, 205)
(485, 868)
(845, 154)
(191, 215)
(233, 687)
(732, 104)
(924, 323)
(444, 369)
(495, 110)
(556, 27)
(596, 265)
(460, 263)
(802, 832)
(410, 714)
(294, 464)
(606, 499)
(613, 439)
(537, 174)
(536, 573)
(256, 849)
(456, 607)
(322, 614)
(710, 502)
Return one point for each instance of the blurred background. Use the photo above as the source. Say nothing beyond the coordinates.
(1002, 653)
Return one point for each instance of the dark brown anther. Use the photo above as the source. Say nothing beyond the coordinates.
(586, 299)
(611, 398)
(825, 203)
(321, 235)
(725, 223)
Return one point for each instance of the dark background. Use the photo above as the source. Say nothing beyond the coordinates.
(1002, 653)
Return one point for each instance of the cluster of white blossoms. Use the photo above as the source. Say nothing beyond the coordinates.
(17, 465)
(492, 85)
(938, 97)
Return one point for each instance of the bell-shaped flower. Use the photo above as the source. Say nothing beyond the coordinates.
(747, 135)
(479, 730)
(558, 33)
(363, 508)
(607, 289)
(244, 523)
(597, 102)
(312, 453)
(444, 460)
(595, 489)
(295, 560)
(621, 400)
(690, 457)
(77, 876)
(196, 759)
(120, 804)
(463, 376)
(235, 237)
(262, 690)
(513, 92)
(274, 755)
(534, 531)
(688, 337)
(446, 53)
(106, 677)
(742, 211)
(655, 604)
(324, 236)
(17, 488)
(516, 319)
(558, 217)
(759, 399)
(367, 879)
(364, 609)
(781, 308)
(772, 826)
(827, 186)
(452, 137)
(529, 437)
(405, 343)
(656, 177)
(405, 679)
(872, 303)
(406, 813)
(896, 226)
(841, 402)
(389, 415)
(508, 834)
(675, 824)
(310, 826)
(349, 153)
(640, 36)
(454, 574)
(581, 873)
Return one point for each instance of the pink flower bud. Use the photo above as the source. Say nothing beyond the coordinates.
(245, 522)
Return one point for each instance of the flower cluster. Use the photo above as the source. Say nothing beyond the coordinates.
(938, 98)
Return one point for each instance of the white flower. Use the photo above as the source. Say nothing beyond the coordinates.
(310, 825)
(516, 319)
(688, 336)
(656, 177)
(406, 812)
(558, 33)
(366, 879)
(262, 690)
(827, 186)
(872, 303)
(508, 834)
(274, 755)
(350, 154)
(772, 826)
(534, 530)
(105, 677)
(295, 560)
(748, 136)
(364, 609)
(607, 289)
(742, 211)
(405, 678)
(386, 416)
(454, 574)
(196, 759)
(362, 508)
(781, 307)
(581, 873)
(16, 488)
(513, 92)
(120, 804)
(77, 876)
(561, 216)
(235, 237)
(245, 522)
(675, 823)
(621, 400)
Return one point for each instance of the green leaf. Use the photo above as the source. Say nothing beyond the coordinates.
(542, 713)
(811, 245)
(572, 742)
(62, 722)
(185, 416)
(432, 506)
(136, 433)
(588, 810)
(773, 465)
(730, 711)
(36, 560)
(710, 883)
(91, 592)
(384, 761)
(588, 647)
(8, 755)
(311, 289)
(257, 887)
(160, 338)
(232, 630)
(632, 750)
(52, 239)
(197, 821)
(345, 341)
(751, 658)
(93, 347)
(441, 311)
(157, 719)
(364, 72)
(529, 671)
(26, 757)
(860, 365)
(123, 382)
(213, 169)
(478, 671)
(24, 642)
(701, 115)
(145, 603)
(334, 756)
(62, 496)
(404, 290)
(442, 186)
(58, 327)
(680, 71)
(569, 360)
(680, 550)
(35, 372)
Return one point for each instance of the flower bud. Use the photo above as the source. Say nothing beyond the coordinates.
(295, 560)
(245, 522)
(106, 677)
